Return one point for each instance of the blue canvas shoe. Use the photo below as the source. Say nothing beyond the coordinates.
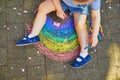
(83, 61)
(27, 41)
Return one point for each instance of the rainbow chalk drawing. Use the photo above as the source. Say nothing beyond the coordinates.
(58, 41)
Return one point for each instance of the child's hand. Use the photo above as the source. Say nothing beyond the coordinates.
(61, 14)
(93, 41)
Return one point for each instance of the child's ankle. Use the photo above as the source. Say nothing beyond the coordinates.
(30, 35)
(83, 54)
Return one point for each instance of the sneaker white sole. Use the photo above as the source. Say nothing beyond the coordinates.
(27, 44)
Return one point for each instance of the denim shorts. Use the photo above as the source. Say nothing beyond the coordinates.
(82, 9)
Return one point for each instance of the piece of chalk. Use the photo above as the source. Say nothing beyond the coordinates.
(87, 47)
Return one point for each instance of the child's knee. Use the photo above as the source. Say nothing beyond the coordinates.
(46, 7)
(40, 8)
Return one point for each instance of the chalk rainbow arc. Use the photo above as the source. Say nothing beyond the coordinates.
(59, 40)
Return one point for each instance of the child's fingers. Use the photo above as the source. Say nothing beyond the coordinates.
(61, 16)
(92, 45)
(65, 15)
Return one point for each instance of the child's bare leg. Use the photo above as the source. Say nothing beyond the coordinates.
(80, 25)
(84, 57)
(45, 7)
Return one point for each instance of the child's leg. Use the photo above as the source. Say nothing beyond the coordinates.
(84, 57)
(80, 26)
(45, 7)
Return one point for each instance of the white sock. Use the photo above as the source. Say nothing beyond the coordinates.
(30, 36)
(83, 54)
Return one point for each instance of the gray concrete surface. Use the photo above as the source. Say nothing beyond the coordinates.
(25, 63)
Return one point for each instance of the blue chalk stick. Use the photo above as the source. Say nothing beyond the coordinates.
(87, 47)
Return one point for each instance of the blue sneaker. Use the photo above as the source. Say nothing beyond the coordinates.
(27, 41)
(78, 64)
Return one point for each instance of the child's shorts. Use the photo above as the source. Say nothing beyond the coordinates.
(82, 9)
